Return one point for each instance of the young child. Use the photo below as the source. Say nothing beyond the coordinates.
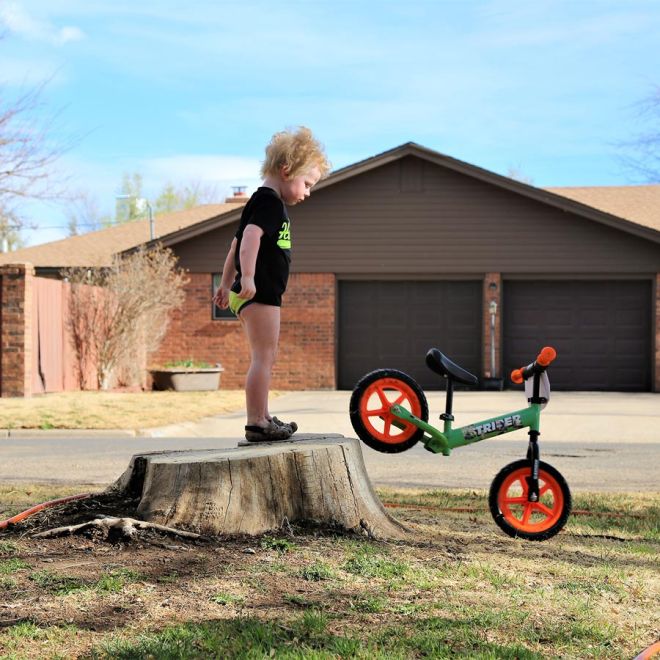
(256, 269)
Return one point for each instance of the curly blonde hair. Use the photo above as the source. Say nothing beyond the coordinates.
(297, 150)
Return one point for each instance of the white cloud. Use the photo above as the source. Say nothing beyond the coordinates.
(70, 33)
(227, 170)
(17, 20)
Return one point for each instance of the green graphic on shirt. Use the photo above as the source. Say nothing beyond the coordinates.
(284, 239)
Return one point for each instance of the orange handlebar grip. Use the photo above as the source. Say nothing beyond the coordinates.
(546, 356)
(516, 376)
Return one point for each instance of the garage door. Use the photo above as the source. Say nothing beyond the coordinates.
(394, 323)
(601, 330)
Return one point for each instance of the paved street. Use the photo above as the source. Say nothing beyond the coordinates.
(598, 441)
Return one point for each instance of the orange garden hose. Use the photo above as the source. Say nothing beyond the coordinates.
(652, 651)
(390, 505)
(468, 509)
(40, 507)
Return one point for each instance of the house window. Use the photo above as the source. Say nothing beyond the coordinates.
(217, 313)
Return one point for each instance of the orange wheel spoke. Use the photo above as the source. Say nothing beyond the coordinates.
(379, 412)
(400, 400)
(388, 425)
(544, 490)
(383, 398)
(527, 513)
(515, 500)
(542, 508)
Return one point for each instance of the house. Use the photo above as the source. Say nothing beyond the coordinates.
(410, 248)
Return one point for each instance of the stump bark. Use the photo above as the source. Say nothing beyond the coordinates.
(253, 489)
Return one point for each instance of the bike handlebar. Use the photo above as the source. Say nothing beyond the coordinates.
(543, 360)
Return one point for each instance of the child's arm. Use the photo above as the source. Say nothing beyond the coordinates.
(221, 298)
(248, 256)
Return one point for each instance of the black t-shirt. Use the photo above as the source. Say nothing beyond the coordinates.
(265, 209)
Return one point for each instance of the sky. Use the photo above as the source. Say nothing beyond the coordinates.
(193, 91)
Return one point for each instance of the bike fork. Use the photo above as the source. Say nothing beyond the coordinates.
(534, 458)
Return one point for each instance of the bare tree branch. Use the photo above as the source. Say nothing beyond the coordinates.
(645, 147)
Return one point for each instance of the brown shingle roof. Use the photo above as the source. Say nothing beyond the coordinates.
(639, 204)
(97, 248)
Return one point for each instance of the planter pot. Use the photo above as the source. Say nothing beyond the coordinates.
(186, 380)
(490, 384)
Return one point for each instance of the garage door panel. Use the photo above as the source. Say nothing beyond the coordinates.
(593, 317)
(601, 330)
(393, 324)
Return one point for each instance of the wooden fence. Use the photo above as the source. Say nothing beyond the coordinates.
(37, 353)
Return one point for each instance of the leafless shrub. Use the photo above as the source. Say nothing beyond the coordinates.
(118, 316)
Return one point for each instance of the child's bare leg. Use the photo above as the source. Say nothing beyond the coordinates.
(262, 326)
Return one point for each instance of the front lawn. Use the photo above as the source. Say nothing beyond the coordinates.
(457, 587)
(115, 410)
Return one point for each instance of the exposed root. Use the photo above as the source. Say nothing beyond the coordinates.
(115, 529)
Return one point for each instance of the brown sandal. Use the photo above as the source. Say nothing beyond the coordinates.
(291, 425)
(270, 433)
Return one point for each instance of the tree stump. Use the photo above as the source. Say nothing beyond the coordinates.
(312, 478)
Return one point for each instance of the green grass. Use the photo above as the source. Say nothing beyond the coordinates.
(8, 548)
(27, 630)
(15, 498)
(227, 599)
(370, 604)
(368, 562)
(7, 584)
(59, 585)
(281, 545)
(115, 581)
(9, 566)
(317, 571)
(309, 636)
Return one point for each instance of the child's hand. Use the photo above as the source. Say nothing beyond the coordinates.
(248, 288)
(221, 297)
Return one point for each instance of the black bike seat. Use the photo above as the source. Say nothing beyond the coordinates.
(442, 365)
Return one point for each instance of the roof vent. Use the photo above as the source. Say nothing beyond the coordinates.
(239, 195)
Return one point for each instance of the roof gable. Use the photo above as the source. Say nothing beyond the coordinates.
(575, 200)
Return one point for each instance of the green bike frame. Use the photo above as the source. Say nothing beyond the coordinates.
(442, 442)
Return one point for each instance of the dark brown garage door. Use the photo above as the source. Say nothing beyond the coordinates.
(393, 323)
(601, 330)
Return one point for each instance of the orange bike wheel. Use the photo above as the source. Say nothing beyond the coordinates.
(517, 516)
(372, 399)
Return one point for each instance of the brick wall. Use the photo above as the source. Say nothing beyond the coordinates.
(492, 291)
(16, 284)
(306, 358)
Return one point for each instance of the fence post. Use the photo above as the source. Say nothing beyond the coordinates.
(16, 287)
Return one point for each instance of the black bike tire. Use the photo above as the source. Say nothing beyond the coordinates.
(513, 531)
(358, 424)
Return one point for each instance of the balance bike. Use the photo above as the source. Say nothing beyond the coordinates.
(528, 498)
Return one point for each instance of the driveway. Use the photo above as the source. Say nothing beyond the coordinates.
(599, 441)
